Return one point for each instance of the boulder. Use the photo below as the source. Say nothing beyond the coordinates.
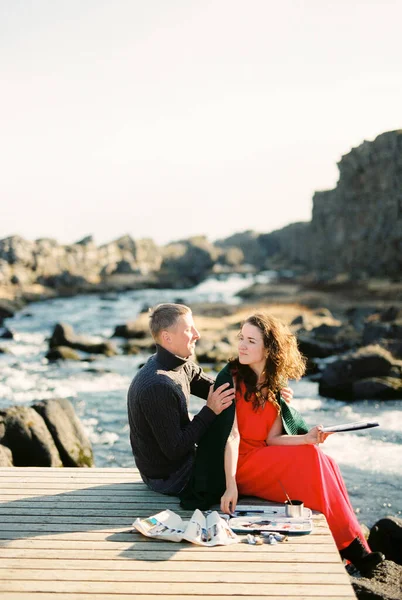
(392, 313)
(327, 339)
(132, 330)
(383, 388)
(312, 348)
(6, 457)
(386, 537)
(8, 309)
(64, 335)
(28, 438)
(339, 377)
(67, 432)
(6, 334)
(62, 353)
(374, 331)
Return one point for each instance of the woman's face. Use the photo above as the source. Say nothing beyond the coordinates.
(251, 347)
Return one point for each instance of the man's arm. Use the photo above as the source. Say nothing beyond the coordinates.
(200, 383)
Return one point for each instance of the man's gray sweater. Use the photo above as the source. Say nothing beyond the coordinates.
(161, 434)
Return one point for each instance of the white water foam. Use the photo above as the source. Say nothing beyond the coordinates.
(363, 452)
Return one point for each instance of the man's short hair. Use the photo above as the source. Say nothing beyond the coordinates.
(165, 316)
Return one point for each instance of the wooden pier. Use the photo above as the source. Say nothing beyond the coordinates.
(66, 534)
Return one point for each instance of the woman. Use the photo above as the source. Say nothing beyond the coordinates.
(262, 459)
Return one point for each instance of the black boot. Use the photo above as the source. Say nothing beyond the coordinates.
(363, 560)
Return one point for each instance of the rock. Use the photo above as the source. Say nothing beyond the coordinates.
(212, 309)
(65, 282)
(8, 309)
(384, 388)
(63, 335)
(393, 346)
(338, 377)
(357, 316)
(312, 348)
(300, 320)
(375, 331)
(86, 241)
(132, 330)
(131, 348)
(62, 353)
(327, 339)
(393, 313)
(186, 263)
(28, 438)
(137, 346)
(6, 457)
(214, 352)
(355, 228)
(6, 334)
(323, 312)
(384, 584)
(386, 537)
(68, 434)
(250, 244)
(73, 268)
(231, 257)
(124, 267)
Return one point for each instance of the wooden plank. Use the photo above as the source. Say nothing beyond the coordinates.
(74, 537)
(156, 555)
(189, 566)
(108, 596)
(155, 587)
(147, 546)
(73, 485)
(183, 576)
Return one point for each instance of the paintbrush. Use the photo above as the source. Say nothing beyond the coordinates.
(285, 492)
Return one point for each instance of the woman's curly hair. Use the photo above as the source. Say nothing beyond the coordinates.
(284, 360)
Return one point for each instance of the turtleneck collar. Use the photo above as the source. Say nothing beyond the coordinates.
(169, 361)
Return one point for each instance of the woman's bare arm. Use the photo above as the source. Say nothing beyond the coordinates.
(276, 437)
(229, 498)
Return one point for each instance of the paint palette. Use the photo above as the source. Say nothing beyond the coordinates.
(264, 523)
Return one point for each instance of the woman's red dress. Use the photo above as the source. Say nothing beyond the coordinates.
(305, 472)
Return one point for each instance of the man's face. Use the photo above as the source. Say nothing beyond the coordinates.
(181, 338)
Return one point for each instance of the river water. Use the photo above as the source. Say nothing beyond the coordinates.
(371, 460)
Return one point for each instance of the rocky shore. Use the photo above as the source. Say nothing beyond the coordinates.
(46, 434)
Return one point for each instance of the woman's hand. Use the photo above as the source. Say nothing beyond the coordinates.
(229, 499)
(315, 435)
(287, 394)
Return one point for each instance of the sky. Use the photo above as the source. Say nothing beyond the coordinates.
(173, 118)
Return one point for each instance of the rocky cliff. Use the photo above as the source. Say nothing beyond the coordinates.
(356, 228)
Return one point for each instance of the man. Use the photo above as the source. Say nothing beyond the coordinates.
(162, 436)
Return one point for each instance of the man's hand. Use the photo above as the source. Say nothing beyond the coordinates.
(221, 398)
(229, 499)
(287, 394)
